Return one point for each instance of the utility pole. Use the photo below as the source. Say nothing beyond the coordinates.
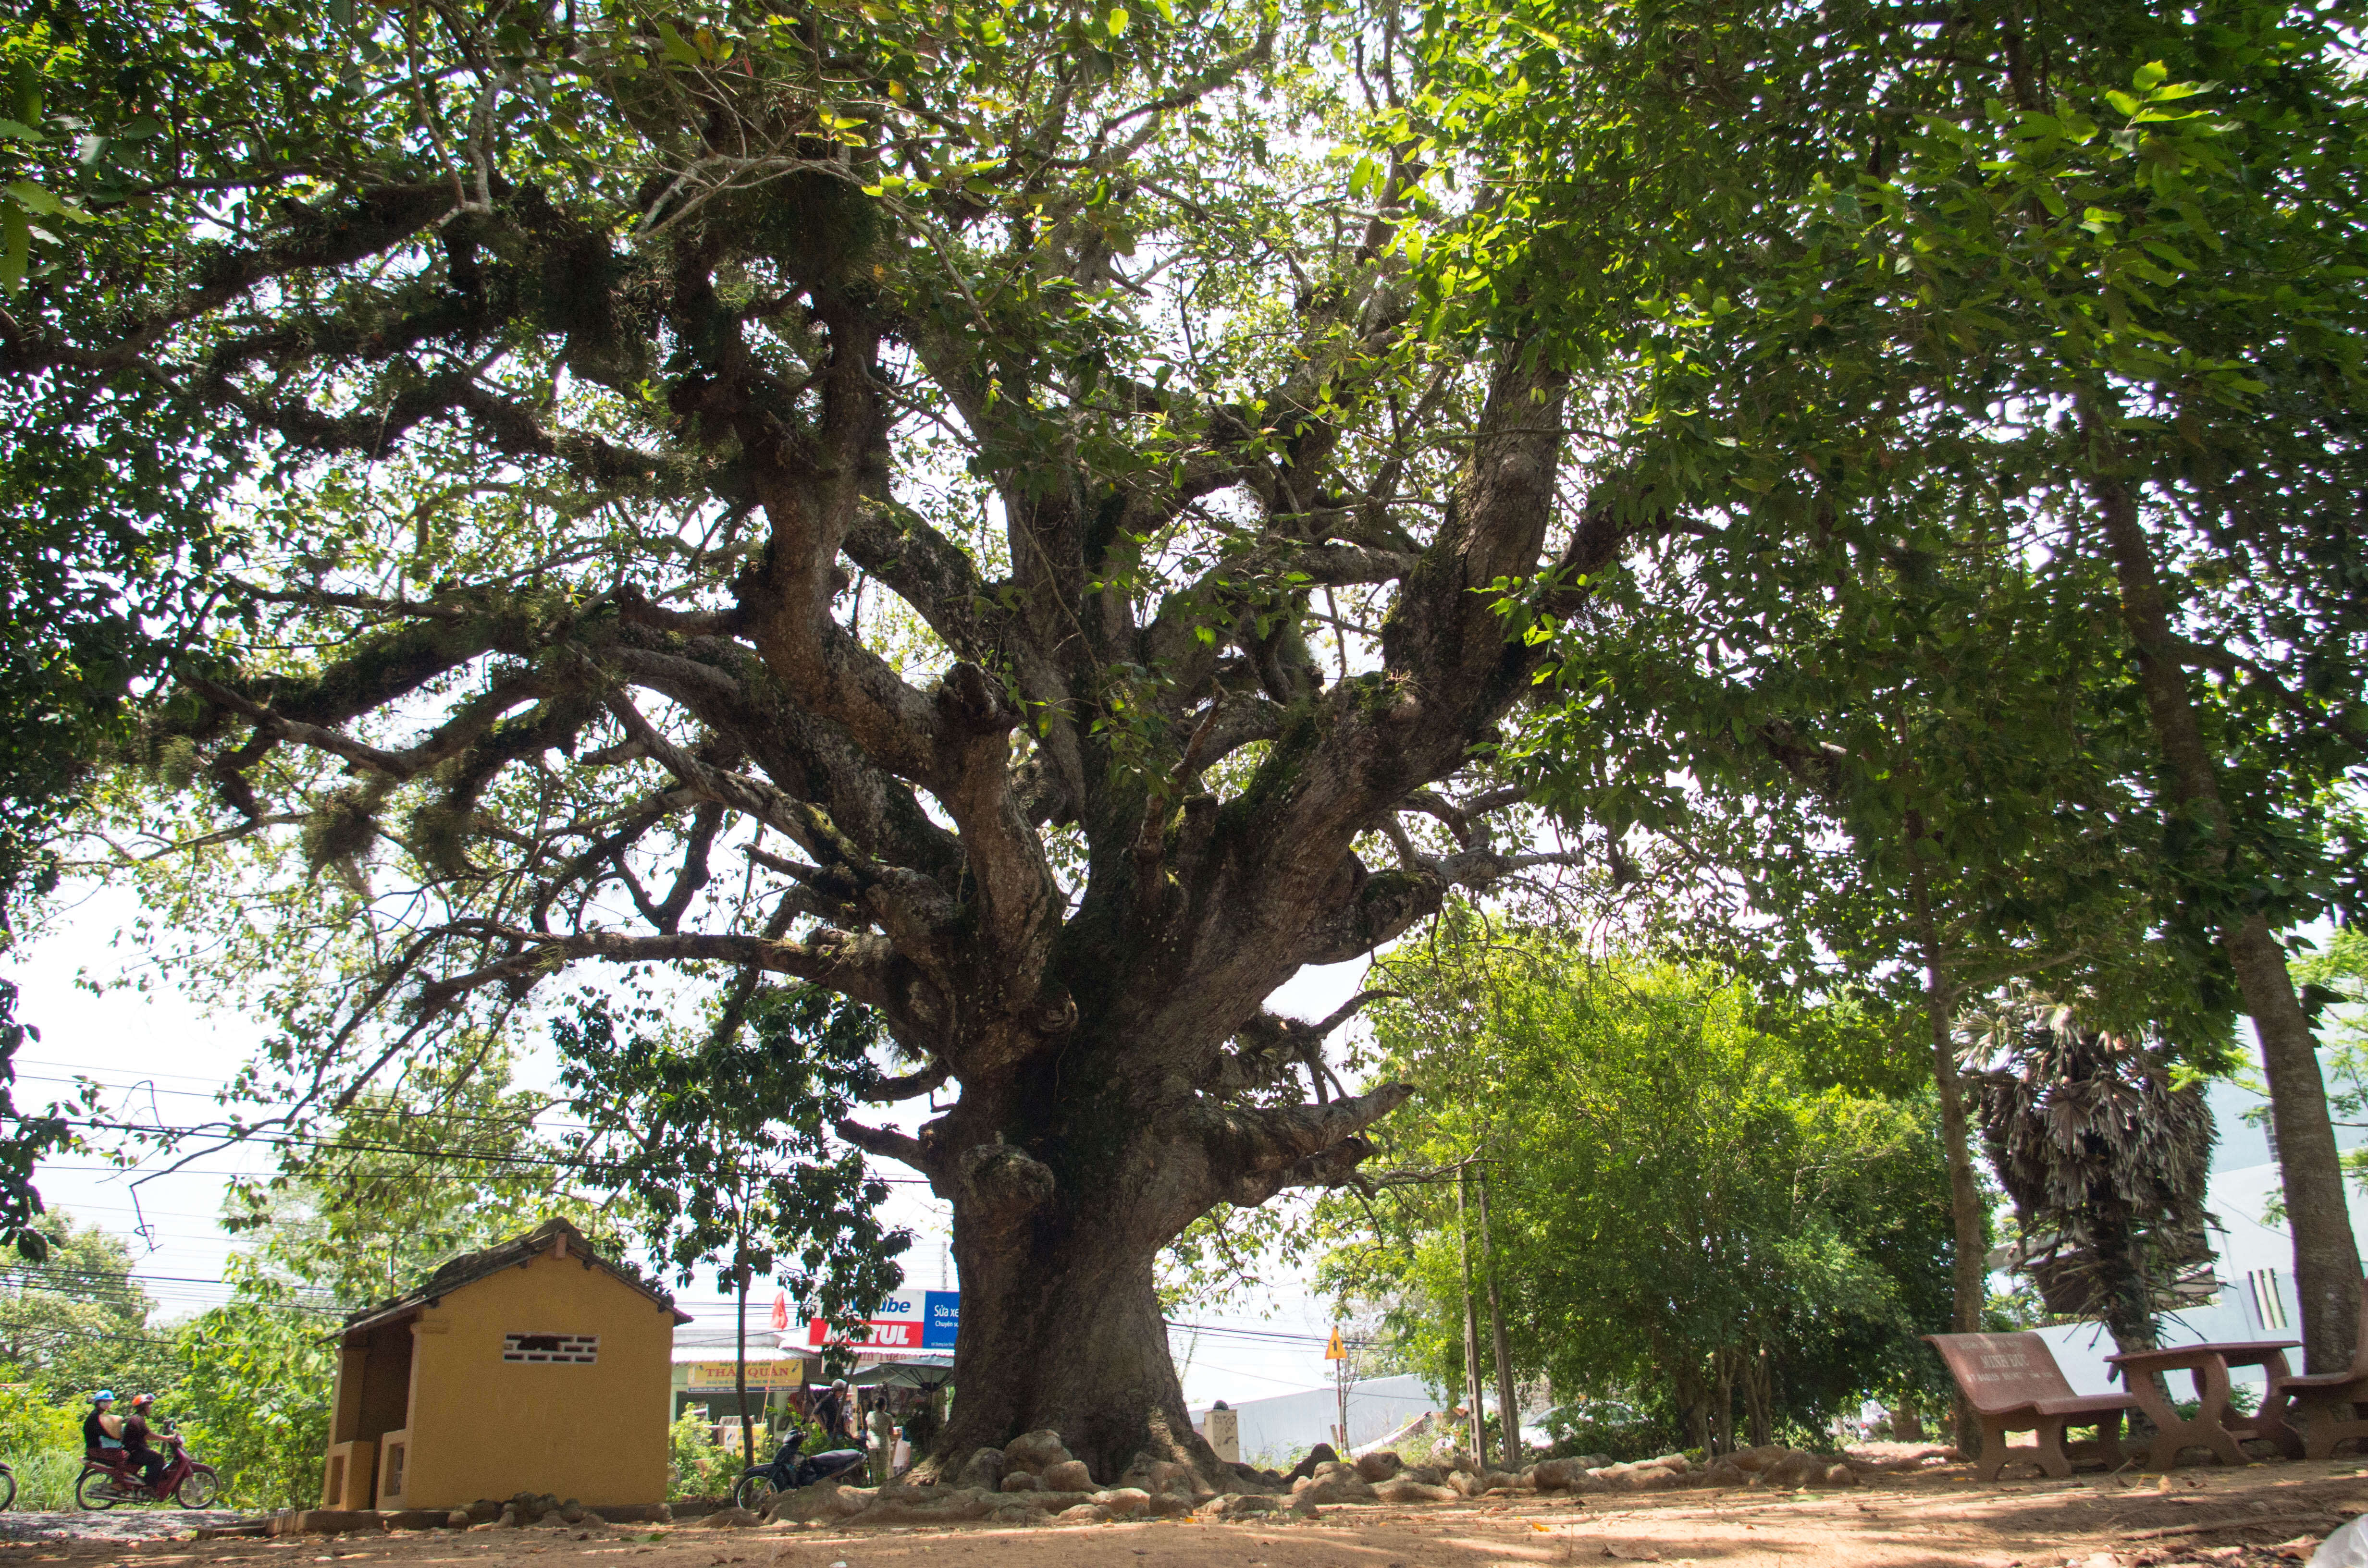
(1508, 1408)
(1344, 1373)
(740, 1355)
(1470, 1318)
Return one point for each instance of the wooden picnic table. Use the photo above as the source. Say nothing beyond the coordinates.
(2214, 1425)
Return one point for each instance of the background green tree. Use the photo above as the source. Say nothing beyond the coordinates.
(79, 1320)
(254, 1399)
(445, 1159)
(720, 1138)
(1686, 1213)
(1860, 270)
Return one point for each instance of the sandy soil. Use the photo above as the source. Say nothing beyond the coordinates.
(110, 1524)
(2261, 1515)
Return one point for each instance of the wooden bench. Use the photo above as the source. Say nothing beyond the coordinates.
(2322, 1409)
(2014, 1385)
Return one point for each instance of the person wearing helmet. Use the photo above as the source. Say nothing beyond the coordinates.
(136, 1430)
(102, 1429)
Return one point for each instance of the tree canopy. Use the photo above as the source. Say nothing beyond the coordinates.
(1043, 520)
(870, 443)
(1683, 1215)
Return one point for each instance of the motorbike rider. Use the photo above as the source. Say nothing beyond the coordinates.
(136, 1432)
(102, 1429)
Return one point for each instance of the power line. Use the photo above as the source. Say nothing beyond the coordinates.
(122, 1275)
(297, 1140)
(387, 1113)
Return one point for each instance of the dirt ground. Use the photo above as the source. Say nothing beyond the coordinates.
(2250, 1518)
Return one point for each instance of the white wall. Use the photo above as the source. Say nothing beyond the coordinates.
(1277, 1431)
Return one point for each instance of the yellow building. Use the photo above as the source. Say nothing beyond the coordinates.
(533, 1366)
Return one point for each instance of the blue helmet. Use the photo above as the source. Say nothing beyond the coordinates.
(102, 1396)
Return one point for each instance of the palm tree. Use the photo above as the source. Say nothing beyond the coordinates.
(2105, 1159)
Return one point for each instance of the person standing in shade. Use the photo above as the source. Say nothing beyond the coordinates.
(831, 1415)
(883, 1435)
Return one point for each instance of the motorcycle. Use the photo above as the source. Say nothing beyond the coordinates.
(7, 1489)
(789, 1471)
(106, 1481)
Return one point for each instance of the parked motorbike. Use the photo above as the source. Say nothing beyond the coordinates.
(789, 1471)
(106, 1481)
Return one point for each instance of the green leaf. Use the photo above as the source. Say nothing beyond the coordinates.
(1117, 22)
(676, 47)
(33, 198)
(16, 131)
(15, 246)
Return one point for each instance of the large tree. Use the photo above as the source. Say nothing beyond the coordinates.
(990, 470)
(2105, 278)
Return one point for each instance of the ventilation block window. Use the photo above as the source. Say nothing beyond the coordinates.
(575, 1349)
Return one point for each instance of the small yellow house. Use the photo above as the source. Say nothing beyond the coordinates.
(533, 1366)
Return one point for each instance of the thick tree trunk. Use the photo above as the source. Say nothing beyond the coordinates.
(2327, 1258)
(1066, 1184)
(1062, 1329)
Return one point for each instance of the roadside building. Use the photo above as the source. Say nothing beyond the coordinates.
(533, 1366)
(705, 1383)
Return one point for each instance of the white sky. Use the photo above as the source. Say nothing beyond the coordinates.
(157, 1051)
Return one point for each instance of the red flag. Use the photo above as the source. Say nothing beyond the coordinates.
(781, 1312)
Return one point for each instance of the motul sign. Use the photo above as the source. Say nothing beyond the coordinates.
(879, 1334)
(912, 1322)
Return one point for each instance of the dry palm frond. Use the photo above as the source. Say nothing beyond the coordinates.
(2106, 1163)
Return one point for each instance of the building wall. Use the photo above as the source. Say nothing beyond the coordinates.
(484, 1426)
(1278, 1430)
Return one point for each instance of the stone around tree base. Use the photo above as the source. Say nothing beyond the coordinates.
(1067, 1475)
(1320, 1454)
(1333, 1482)
(1238, 1504)
(1035, 1453)
(986, 1469)
(928, 1506)
(823, 1500)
